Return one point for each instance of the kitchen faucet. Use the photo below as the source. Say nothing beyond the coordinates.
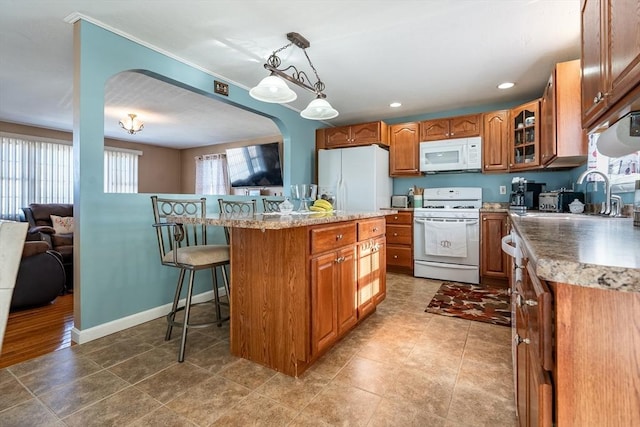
(606, 210)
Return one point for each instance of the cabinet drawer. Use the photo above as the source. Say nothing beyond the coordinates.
(399, 256)
(370, 228)
(399, 218)
(399, 234)
(330, 237)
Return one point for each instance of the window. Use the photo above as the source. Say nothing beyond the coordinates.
(40, 170)
(211, 174)
(120, 170)
(622, 171)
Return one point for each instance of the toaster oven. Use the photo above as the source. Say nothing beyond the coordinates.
(399, 201)
(558, 201)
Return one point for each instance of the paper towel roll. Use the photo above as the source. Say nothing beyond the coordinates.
(616, 141)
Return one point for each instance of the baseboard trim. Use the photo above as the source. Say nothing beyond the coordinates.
(86, 335)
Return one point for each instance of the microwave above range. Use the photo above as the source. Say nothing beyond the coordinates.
(451, 155)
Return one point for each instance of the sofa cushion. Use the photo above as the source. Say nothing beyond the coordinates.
(62, 224)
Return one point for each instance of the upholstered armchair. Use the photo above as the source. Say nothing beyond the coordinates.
(53, 223)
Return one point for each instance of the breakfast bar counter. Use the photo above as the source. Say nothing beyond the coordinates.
(301, 282)
(585, 250)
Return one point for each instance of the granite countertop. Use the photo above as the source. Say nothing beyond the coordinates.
(583, 250)
(277, 221)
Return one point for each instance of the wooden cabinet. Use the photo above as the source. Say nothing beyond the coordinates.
(533, 317)
(494, 263)
(524, 137)
(354, 135)
(563, 143)
(399, 254)
(404, 147)
(610, 60)
(454, 127)
(372, 272)
(495, 141)
(333, 283)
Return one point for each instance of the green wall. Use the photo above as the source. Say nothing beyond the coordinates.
(117, 267)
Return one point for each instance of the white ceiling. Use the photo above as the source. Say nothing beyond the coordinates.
(431, 55)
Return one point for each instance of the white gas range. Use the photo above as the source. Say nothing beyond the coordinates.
(447, 234)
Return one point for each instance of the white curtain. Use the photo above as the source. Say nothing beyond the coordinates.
(212, 176)
(34, 170)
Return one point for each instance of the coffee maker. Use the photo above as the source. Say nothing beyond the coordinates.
(524, 194)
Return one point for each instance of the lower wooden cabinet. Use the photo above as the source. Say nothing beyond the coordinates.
(399, 252)
(494, 263)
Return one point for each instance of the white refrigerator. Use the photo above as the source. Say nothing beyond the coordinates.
(358, 177)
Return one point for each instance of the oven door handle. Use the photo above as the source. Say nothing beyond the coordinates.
(466, 221)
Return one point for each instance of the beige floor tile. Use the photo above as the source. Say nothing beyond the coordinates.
(306, 420)
(433, 359)
(29, 413)
(162, 417)
(331, 363)
(144, 365)
(119, 351)
(295, 393)
(204, 403)
(487, 378)
(430, 391)
(214, 358)
(257, 410)
(392, 413)
(196, 341)
(11, 391)
(173, 381)
(48, 374)
(473, 408)
(249, 374)
(369, 375)
(71, 397)
(340, 404)
(117, 410)
(490, 353)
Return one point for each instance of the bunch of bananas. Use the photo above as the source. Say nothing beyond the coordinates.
(321, 205)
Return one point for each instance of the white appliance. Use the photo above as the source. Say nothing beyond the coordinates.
(457, 154)
(357, 177)
(447, 235)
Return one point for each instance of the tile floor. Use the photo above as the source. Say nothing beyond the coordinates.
(400, 367)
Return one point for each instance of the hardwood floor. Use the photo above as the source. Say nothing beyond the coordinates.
(33, 332)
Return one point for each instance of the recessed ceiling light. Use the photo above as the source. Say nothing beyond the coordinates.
(395, 104)
(506, 85)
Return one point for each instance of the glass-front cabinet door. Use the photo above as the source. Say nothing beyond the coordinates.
(525, 136)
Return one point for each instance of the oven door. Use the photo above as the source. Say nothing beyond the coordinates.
(447, 267)
(438, 156)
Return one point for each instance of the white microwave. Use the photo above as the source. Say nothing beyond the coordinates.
(459, 154)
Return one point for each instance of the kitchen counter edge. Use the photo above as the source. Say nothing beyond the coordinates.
(559, 251)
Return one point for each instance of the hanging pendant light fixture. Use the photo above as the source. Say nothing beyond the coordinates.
(131, 124)
(274, 89)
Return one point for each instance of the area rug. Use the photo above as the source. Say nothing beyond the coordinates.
(473, 302)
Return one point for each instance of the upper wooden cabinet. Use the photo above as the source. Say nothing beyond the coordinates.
(610, 60)
(495, 141)
(353, 135)
(454, 127)
(525, 137)
(404, 146)
(563, 143)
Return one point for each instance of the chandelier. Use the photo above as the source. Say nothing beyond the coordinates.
(274, 89)
(131, 124)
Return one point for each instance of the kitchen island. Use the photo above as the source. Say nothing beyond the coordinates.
(576, 301)
(300, 282)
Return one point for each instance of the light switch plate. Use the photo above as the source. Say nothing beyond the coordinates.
(503, 189)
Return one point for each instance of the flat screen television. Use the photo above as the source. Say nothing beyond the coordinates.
(255, 165)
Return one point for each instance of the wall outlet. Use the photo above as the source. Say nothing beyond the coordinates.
(503, 189)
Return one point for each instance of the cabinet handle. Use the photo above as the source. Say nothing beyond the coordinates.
(518, 340)
(340, 260)
(531, 303)
(339, 237)
(510, 165)
(395, 217)
(519, 302)
(375, 229)
(395, 257)
(452, 134)
(395, 234)
(484, 219)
